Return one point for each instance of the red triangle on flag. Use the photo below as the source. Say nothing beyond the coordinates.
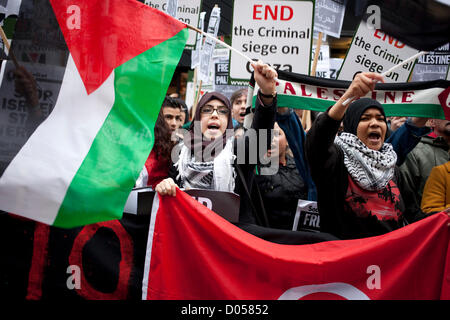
(102, 35)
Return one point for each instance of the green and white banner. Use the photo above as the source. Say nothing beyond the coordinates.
(415, 99)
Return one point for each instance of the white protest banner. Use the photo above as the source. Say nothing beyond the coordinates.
(372, 50)
(328, 17)
(277, 32)
(307, 217)
(14, 110)
(432, 66)
(187, 11)
(195, 54)
(208, 46)
(323, 61)
(335, 66)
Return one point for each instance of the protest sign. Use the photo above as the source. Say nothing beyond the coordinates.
(187, 11)
(14, 110)
(307, 217)
(323, 61)
(208, 46)
(225, 204)
(328, 17)
(335, 66)
(277, 32)
(195, 54)
(432, 66)
(372, 50)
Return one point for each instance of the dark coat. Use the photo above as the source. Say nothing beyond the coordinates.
(280, 194)
(332, 180)
(263, 118)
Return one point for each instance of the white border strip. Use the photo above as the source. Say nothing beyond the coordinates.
(148, 253)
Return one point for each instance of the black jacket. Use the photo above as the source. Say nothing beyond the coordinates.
(251, 210)
(280, 194)
(331, 177)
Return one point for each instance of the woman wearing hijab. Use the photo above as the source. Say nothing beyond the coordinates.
(207, 156)
(355, 171)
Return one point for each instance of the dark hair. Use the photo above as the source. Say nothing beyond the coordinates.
(163, 144)
(171, 102)
(184, 109)
(237, 94)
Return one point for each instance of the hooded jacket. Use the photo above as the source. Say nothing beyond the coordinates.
(428, 153)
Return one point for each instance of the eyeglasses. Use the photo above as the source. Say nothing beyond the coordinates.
(208, 109)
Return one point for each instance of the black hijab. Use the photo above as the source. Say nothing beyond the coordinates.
(356, 110)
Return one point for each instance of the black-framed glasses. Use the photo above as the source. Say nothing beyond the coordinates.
(208, 109)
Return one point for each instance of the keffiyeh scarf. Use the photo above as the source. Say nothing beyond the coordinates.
(370, 169)
(218, 175)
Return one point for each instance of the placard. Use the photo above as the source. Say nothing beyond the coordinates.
(432, 66)
(328, 17)
(307, 217)
(188, 11)
(323, 61)
(277, 32)
(209, 46)
(372, 50)
(225, 204)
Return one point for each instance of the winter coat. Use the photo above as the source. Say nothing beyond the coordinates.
(280, 193)
(339, 212)
(430, 152)
(436, 193)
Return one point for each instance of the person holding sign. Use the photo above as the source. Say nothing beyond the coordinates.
(209, 155)
(355, 172)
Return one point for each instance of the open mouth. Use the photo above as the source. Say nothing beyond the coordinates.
(374, 136)
(242, 114)
(213, 127)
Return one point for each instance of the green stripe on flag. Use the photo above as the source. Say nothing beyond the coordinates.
(104, 180)
(391, 109)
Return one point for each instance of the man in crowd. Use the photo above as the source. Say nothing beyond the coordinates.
(238, 103)
(431, 151)
(171, 111)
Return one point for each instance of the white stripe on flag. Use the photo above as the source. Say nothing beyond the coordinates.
(148, 253)
(36, 181)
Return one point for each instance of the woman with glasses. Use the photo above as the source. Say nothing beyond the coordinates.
(209, 156)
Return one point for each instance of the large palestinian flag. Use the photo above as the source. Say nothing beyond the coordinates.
(194, 254)
(102, 70)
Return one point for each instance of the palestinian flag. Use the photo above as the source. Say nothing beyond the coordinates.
(108, 67)
(412, 99)
(194, 254)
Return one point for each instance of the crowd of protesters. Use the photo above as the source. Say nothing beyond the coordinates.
(368, 173)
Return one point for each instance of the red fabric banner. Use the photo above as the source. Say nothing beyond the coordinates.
(195, 254)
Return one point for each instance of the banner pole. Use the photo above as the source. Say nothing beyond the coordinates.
(7, 46)
(220, 42)
(414, 57)
(306, 115)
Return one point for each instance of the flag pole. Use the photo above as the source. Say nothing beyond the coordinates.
(7, 46)
(306, 115)
(220, 42)
(414, 57)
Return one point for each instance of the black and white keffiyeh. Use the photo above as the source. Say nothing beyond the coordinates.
(370, 169)
(218, 175)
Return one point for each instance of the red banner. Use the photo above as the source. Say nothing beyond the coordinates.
(195, 254)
